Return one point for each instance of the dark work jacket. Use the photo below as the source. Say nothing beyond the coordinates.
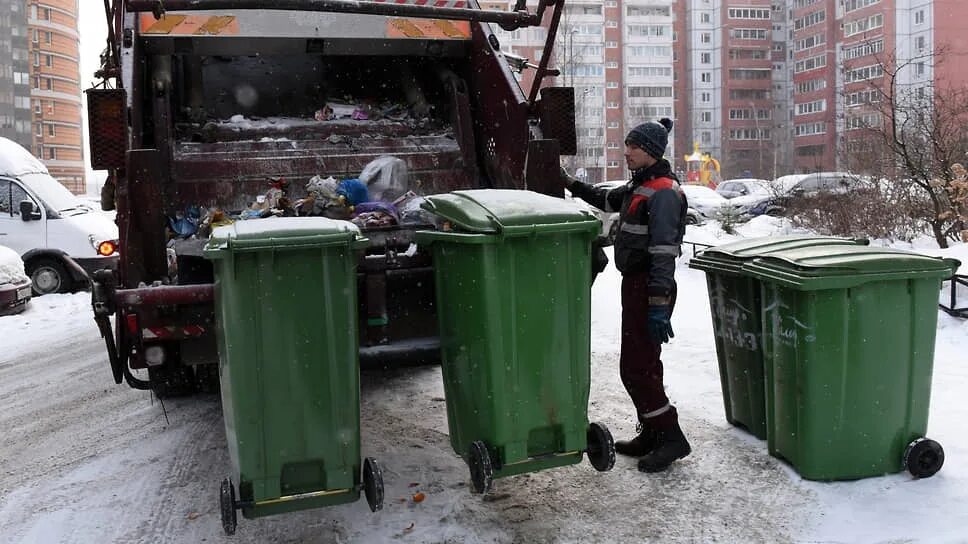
(652, 222)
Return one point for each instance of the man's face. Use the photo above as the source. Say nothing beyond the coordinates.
(636, 157)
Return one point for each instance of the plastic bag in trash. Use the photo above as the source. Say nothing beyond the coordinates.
(185, 223)
(386, 177)
(354, 190)
(412, 214)
(384, 207)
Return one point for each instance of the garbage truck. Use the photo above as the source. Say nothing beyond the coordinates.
(206, 109)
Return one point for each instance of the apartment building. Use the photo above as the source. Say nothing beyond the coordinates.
(849, 55)
(732, 57)
(15, 106)
(55, 93)
(40, 96)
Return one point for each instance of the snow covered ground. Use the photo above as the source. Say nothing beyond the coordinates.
(83, 460)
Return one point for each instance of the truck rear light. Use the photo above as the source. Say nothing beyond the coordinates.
(106, 249)
(132, 321)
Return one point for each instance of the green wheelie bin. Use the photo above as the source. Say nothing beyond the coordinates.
(849, 350)
(513, 285)
(286, 315)
(734, 300)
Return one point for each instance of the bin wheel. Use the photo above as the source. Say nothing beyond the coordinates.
(226, 501)
(601, 447)
(482, 472)
(923, 457)
(373, 484)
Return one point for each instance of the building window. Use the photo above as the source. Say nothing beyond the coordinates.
(706, 137)
(705, 58)
(705, 18)
(613, 105)
(46, 13)
(611, 45)
(919, 17)
(613, 164)
(612, 145)
(48, 84)
(37, 107)
(33, 11)
(613, 124)
(705, 97)
(706, 37)
(47, 37)
(919, 69)
(36, 36)
(36, 58)
(50, 130)
(48, 60)
(39, 130)
(36, 82)
(611, 64)
(706, 117)
(612, 85)
(706, 77)
(611, 24)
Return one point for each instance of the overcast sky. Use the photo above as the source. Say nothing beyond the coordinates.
(92, 26)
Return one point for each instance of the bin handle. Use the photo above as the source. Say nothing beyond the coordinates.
(294, 242)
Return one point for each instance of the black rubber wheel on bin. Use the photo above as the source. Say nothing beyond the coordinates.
(373, 484)
(601, 447)
(923, 458)
(482, 472)
(226, 502)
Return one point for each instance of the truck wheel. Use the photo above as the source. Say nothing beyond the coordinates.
(601, 447)
(373, 484)
(48, 276)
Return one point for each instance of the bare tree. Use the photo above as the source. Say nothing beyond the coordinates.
(909, 135)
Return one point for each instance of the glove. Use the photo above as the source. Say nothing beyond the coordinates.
(660, 328)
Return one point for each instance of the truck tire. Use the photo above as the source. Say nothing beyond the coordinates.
(48, 276)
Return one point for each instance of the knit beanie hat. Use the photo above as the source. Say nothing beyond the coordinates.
(652, 137)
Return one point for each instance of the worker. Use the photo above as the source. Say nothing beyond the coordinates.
(652, 212)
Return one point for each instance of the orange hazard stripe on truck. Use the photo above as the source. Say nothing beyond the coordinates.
(428, 28)
(197, 25)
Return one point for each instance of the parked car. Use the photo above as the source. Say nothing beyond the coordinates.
(794, 186)
(15, 289)
(704, 200)
(740, 187)
(60, 237)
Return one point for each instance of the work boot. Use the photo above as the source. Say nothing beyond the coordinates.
(671, 445)
(642, 444)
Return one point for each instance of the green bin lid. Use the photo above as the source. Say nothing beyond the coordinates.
(282, 233)
(730, 257)
(509, 212)
(844, 266)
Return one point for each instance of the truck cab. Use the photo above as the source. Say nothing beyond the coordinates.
(61, 239)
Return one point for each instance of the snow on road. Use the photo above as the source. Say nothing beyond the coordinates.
(84, 460)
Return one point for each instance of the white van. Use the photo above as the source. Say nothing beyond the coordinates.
(61, 238)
